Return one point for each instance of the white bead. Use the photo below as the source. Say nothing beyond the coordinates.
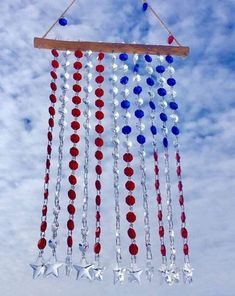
(140, 126)
(161, 59)
(161, 80)
(114, 67)
(88, 89)
(127, 144)
(125, 93)
(137, 78)
(115, 102)
(175, 118)
(89, 76)
(127, 115)
(140, 101)
(113, 78)
(114, 91)
(116, 115)
(170, 70)
(162, 104)
(149, 70)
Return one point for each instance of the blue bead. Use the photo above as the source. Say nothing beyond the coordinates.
(123, 57)
(139, 113)
(125, 104)
(145, 6)
(175, 130)
(160, 69)
(165, 142)
(63, 22)
(126, 130)
(150, 81)
(148, 58)
(173, 105)
(136, 68)
(152, 105)
(137, 90)
(153, 129)
(171, 81)
(161, 92)
(163, 117)
(141, 139)
(124, 80)
(169, 59)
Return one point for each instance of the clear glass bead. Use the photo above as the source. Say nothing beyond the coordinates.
(149, 70)
(170, 70)
(161, 80)
(174, 118)
(88, 89)
(88, 53)
(52, 243)
(83, 247)
(116, 115)
(137, 78)
(65, 86)
(172, 93)
(127, 115)
(160, 58)
(187, 273)
(151, 93)
(65, 75)
(140, 126)
(125, 93)
(139, 101)
(162, 104)
(56, 210)
(65, 64)
(113, 78)
(55, 226)
(114, 67)
(127, 144)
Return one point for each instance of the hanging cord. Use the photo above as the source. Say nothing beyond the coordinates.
(163, 24)
(66, 10)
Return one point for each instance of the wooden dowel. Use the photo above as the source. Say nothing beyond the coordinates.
(111, 47)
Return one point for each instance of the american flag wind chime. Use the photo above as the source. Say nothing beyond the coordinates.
(138, 82)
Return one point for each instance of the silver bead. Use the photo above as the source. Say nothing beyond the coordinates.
(56, 210)
(174, 118)
(55, 226)
(114, 91)
(65, 86)
(149, 70)
(172, 93)
(65, 64)
(113, 78)
(65, 75)
(151, 93)
(115, 102)
(127, 115)
(114, 67)
(140, 126)
(170, 70)
(137, 78)
(88, 89)
(124, 68)
(161, 80)
(162, 104)
(125, 93)
(127, 144)
(139, 101)
(116, 115)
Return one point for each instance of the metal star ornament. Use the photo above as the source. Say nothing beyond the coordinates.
(119, 275)
(53, 266)
(134, 275)
(98, 273)
(188, 273)
(38, 267)
(84, 271)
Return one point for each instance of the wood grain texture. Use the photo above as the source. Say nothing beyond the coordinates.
(111, 47)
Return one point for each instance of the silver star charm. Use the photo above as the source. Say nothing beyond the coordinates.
(52, 268)
(38, 268)
(134, 275)
(119, 275)
(172, 275)
(84, 271)
(162, 271)
(98, 273)
(188, 273)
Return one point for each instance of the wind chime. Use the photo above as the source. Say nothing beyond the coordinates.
(141, 84)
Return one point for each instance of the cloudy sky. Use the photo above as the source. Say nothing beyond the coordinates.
(206, 95)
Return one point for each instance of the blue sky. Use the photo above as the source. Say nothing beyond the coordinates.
(205, 91)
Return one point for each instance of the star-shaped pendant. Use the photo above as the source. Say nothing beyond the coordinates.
(172, 275)
(119, 275)
(84, 271)
(98, 273)
(188, 273)
(149, 271)
(38, 267)
(134, 275)
(53, 268)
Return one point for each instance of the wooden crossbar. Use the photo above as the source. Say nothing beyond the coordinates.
(111, 47)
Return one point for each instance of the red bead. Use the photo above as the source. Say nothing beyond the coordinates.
(44, 210)
(131, 233)
(99, 79)
(99, 142)
(184, 232)
(100, 68)
(157, 184)
(170, 39)
(99, 155)
(53, 75)
(78, 54)
(55, 64)
(130, 200)
(48, 164)
(75, 138)
(77, 88)
(97, 216)
(49, 136)
(46, 179)
(100, 56)
(71, 209)
(43, 226)
(98, 170)
(155, 155)
(98, 200)
(77, 76)
(70, 225)
(99, 129)
(177, 156)
(133, 249)
(75, 125)
(99, 115)
(76, 112)
(97, 248)
(128, 171)
(183, 217)
(72, 194)
(161, 231)
(46, 194)
(97, 231)
(180, 186)
(74, 151)
(130, 185)
(159, 215)
(51, 122)
(159, 199)
(73, 164)
(131, 217)
(69, 241)
(55, 53)
(76, 100)
(53, 98)
(181, 200)
(53, 86)
(99, 103)
(163, 250)
(127, 157)
(77, 65)
(42, 243)
(178, 170)
(49, 149)
(97, 184)
(72, 180)
(99, 92)
(186, 249)
(156, 169)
